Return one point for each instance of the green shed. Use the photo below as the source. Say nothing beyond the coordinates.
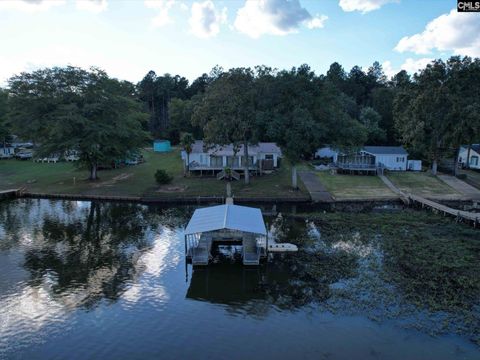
(162, 146)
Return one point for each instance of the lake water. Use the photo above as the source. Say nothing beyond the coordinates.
(82, 280)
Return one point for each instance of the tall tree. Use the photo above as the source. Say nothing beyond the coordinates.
(4, 128)
(187, 142)
(227, 112)
(78, 110)
(156, 92)
(337, 76)
(298, 135)
(464, 87)
(422, 112)
(371, 120)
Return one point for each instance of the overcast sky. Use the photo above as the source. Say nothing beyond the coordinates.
(129, 38)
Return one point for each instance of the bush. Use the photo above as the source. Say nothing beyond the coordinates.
(162, 177)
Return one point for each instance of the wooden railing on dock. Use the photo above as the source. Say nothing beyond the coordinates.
(460, 215)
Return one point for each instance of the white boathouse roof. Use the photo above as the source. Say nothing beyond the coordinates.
(232, 217)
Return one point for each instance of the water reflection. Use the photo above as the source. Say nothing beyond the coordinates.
(106, 271)
(61, 256)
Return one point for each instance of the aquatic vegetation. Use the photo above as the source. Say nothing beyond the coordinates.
(411, 265)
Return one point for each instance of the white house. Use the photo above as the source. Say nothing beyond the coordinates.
(7, 152)
(474, 159)
(265, 156)
(391, 157)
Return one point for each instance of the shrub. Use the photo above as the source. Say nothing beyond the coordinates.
(162, 177)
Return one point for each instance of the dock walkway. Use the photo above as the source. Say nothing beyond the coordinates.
(411, 199)
(403, 196)
(459, 214)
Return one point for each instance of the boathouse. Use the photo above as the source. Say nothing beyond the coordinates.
(226, 225)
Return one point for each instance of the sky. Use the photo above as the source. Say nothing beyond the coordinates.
(129, 38)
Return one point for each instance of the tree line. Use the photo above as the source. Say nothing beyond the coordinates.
(430, 113)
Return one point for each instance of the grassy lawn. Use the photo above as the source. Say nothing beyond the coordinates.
(137, 180)
(349, 187)
(421, 183)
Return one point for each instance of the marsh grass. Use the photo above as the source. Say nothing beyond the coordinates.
(411, 266)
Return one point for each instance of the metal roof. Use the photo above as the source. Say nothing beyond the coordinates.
(232, 217)
(262, 147)
(385, 150)
(474, 147)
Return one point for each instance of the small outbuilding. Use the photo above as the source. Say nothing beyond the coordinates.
(162, 146)
(414, 165)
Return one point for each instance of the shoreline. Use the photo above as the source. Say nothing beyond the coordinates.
(335, 204)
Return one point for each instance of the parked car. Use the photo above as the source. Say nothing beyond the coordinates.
(72, 155)
(24, 155)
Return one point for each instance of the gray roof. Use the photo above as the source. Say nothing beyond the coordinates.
(232, 217)
(474, 147)
(263, 147)
(385, 150)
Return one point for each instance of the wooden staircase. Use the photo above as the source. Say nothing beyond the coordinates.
(222, 174)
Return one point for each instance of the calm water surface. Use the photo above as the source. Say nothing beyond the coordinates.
(81, 280)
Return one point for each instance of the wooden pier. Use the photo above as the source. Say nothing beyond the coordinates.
(460, 215)
(411, 199)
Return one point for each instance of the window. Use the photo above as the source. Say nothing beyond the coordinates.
(232, 161)
(474, 160)
(269, 157)
(216, 161)
(400, 159)
(250, 161)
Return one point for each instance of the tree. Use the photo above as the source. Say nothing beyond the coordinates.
(4, 128)
(156, 92)
(187, 143)
(371, 120)
(464, 87)
(181, 112)
(382, 103)
(76, 109)
(337, 76)
(227, 112)
(298, 135)
(422, 112)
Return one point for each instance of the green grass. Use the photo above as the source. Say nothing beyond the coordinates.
(421, 183)
(138, 180)
(349, 187)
